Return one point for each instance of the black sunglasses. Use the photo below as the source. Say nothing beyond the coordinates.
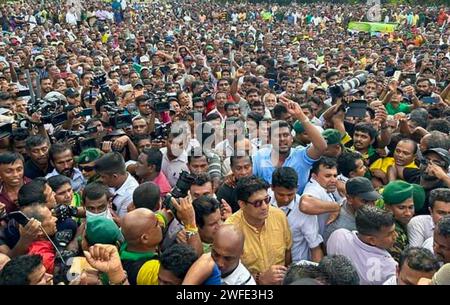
(259, 203)
(86, 168)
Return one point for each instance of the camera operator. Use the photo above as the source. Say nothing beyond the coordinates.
(118, 141)
(61, 157)
(65, 195)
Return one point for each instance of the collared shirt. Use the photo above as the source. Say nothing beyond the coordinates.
(265, 248)
(304, 228)
(314, 189)
(298, 159)
(123, 196)
(374, 265)
(240, 276)
(420, 228)
(10, 206)
(173, 168)
(78, 181)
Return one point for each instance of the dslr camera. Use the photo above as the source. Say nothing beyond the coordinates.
(340, 88)
(180, 190)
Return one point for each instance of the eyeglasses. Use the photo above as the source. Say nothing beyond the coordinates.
(86, 168)
(259, 203)
(426, 162)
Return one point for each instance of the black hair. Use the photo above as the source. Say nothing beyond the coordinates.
(331, 74)
(419, 116)
(443, 226)
(438, 139)
(233, 159)
(366, 128)
(213, 116)
(279, 124)
(95, 191)
(254, 116)
(201, 179)
(32, 192)
(419, 259)
(58, 181)
(154, 157)
(370, 220)
(196, 153)
(346, 162)
(177, 259)
(339, 270)
(10, 157)
(278, 111)
(285, 177)
(230, 104)
(442, 125)
(326, 162)
(303, 271)
(20, 134)
(18, 269)
(247, 186)
(147, 195)
(204, 206)
(34, 141)
(111, 163)
(58, 148)
(439, 194)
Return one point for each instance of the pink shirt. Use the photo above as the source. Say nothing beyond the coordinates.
(163, 184)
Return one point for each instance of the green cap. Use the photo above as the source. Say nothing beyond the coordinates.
(298, 127)
(332, 136)
(89, 155)
(396, 192)
(418, 196)
(100, 230)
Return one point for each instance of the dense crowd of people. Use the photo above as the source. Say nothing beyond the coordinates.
(211, 143)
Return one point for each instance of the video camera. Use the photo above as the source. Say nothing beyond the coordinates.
(180, 190)
(159, 101)
(161, 131)
(340, 88)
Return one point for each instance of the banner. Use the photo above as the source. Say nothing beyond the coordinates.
(372, 27)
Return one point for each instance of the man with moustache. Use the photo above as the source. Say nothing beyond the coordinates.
(38, 165)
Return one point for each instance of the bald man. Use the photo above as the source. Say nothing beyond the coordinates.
(226, 251)
(142, 232)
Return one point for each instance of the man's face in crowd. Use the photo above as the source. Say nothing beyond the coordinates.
(39, 276)
(124, 70)
(220, 100)
(259, 213)
(410, 276)
(140, 127)
(39, 154)
(199, 106)
(427, 178)
(232, 111)
(326, 177)
(12, 174)
(97, 206)
(212, 222)
(64, 194)
(284, 196)
(63, 163)
(198, 165)
(423, 88)
(144, 108)
(242, 168)
(439, 210)
(385, 238)
(87, 169)
(46, 86)
(403, 212)
(223, 86)
(49, 195)
(282, 139)
(143, 168)
(226, 256)
(258, 109)
(201, 190)
(441, 247)
(270, 101)
(404, 153)
(144, 143)
(361, 140)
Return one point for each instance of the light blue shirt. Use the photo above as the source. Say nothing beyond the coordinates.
(78, 181)
(298, 159)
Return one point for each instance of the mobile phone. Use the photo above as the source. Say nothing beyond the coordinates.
(19, 217)
(397, 75)
(59, 119)
(429, 100)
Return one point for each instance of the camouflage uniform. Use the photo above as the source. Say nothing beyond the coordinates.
(400, 243)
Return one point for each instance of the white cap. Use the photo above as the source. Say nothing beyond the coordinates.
(144, 59)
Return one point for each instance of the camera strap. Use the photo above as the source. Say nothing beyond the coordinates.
(54, 246)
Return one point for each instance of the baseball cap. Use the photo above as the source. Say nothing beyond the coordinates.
(361, 187)
(144, 59)
(71, 92)
(39, 57)
(138, 83)
(444, 154)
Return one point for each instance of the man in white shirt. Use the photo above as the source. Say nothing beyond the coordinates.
(175, 157)
(367, 247)
(306, 241)
(111, 168)
(421, 227)
(320, 196)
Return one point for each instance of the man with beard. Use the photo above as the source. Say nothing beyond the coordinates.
(423, 89)
(38, 165)
(363, 139)
(441, 240)
(46, 86)
(433, 173)
(282, 154)
(61, 157)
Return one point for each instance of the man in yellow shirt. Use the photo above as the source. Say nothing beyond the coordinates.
(268, 239)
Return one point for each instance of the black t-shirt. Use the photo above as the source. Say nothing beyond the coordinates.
(33, 171)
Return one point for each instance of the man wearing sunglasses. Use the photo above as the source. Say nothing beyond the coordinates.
(86, 164)
(268, 239)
